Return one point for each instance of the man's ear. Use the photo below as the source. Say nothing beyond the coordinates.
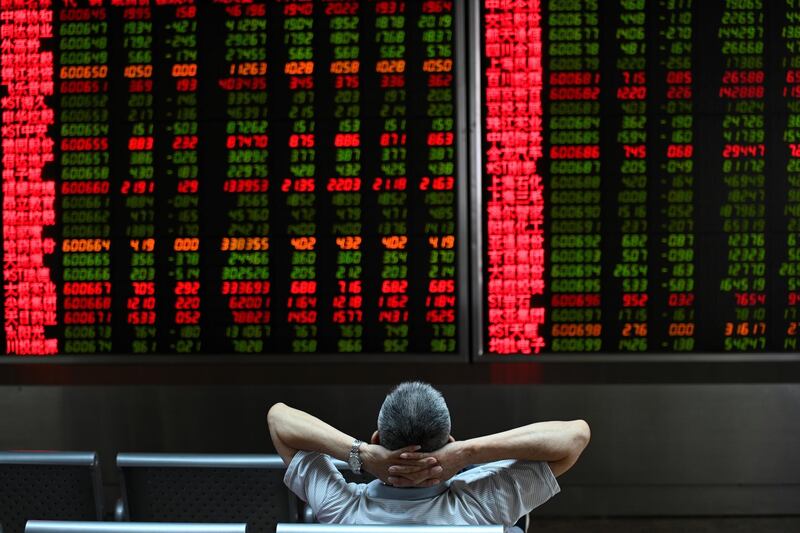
(450, 438)
(376, 439)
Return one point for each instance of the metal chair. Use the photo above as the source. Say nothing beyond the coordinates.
(205, 488)
(41, 526)
(48, 485)
(348, 528)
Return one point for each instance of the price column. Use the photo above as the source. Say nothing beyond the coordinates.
(182, 183)
(299, 186)
(139, 186)
(85, 172)
(345, 185)
(631, 198)
(438, 184)
(246, 271)
(391, 184)
(676, 171)
(789, 269)
(741, 36)
(573, 121)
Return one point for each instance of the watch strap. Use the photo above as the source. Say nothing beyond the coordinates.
(355, 457)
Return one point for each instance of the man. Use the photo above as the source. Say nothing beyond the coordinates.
(420, 467)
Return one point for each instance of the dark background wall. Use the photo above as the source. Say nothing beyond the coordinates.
(658, 448)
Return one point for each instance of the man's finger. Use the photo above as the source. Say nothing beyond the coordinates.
(422, 475)
(401, 482)
(408, 449)
(414, 455)
(412, 464)
(398, 469)
(409, 469)
(430, 461)
(431, 478)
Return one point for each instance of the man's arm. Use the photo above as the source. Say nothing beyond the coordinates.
(292, 430)
(558, 443)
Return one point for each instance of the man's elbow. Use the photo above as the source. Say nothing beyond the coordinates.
(581, 436)
(576, 438)
(274, 413)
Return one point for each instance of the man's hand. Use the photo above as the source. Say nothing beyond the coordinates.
(419, 470)
(449, 460)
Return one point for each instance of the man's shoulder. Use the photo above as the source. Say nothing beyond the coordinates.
(304, 459)
(317, 467)
(315, 479)
(508, 473)
(310, 467)
(480, 471)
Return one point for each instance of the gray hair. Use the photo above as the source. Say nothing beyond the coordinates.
(414, 413)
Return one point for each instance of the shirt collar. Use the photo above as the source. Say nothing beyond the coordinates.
(376, 489)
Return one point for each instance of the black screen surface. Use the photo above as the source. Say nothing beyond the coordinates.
(230, 177)
(289, 177)
(640, 176)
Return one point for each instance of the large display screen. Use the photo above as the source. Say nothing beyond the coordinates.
(230, 177)
(286, 177)
(640, 186)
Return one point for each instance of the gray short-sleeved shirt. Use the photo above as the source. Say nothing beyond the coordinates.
(493, 493)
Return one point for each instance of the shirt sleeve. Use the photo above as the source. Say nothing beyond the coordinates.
(315, 479)
(505, 491)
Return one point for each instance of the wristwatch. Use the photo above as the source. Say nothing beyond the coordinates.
(354, 459)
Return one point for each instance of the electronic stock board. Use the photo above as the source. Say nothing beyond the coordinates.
(231, 177)
(291, 177)
(640, 186)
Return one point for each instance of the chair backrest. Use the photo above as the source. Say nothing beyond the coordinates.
(348, 528)
(46, 526)
(206, 488)
(48, 486)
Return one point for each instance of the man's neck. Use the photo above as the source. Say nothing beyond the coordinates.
(378, 489)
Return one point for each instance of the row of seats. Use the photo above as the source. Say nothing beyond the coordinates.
(155, 488)
(43, 526)
(57, 526)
